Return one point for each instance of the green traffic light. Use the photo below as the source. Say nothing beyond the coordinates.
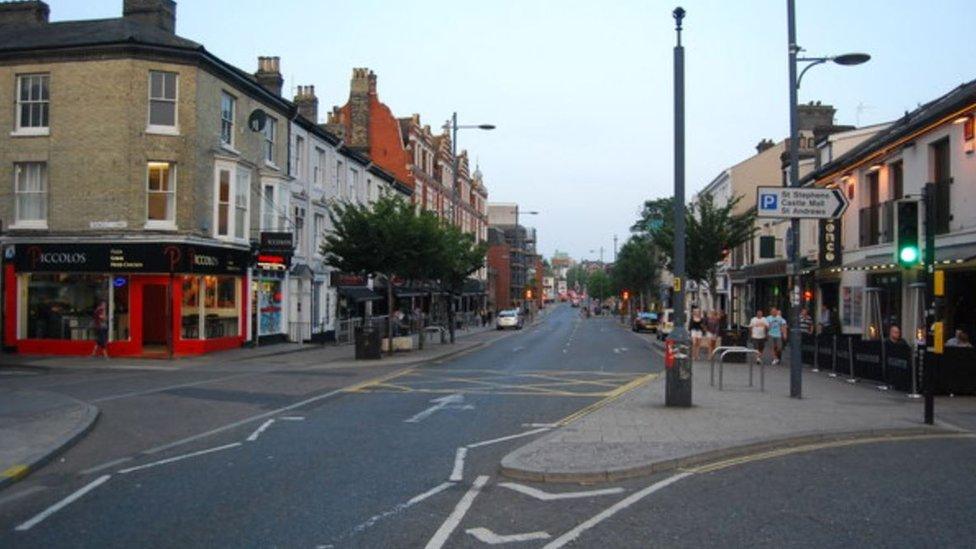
(908, 254)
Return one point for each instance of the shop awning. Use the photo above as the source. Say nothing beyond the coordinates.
(410, 292)
(956, 253)
(870, 263)
(770, 269)
(358, 293)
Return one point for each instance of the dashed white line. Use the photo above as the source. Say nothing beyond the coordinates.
(292, 418)
(571, 535)
(401, 507)
(181, 457)
(547, 496)
(458, 472)
(432, 492)
(63, 503)
(509, 437)
(257, 432)
(485, 535)
(454, 519)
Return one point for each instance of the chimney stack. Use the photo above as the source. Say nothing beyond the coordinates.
(33, 12)
(156, 13)
(307, 104)
(362, 90)
(269, 74)
(764, 145)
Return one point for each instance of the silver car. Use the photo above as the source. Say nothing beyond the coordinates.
(509, 318)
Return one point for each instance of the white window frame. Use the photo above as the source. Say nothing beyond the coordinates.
(270, 136)
(232, 122)
(232, 168)
(242, 201)
(338, 177)
(298, 229)
(19, 128)
(318, 228)
(168, 224)
(267, 209)
(318, 172)
(45, 178)
(299, 157)
(353, 184)
(162, 128)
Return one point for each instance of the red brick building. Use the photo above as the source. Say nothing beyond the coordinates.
(499, 272)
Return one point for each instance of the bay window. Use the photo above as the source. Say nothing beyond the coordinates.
(242, 186)
(232, 187)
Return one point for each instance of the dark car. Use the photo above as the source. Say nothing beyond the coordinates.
(645, 322)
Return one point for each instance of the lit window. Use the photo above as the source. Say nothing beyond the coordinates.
(30, 186)
(33, 103)
(162, 101)
(227, 104)
(161, 194)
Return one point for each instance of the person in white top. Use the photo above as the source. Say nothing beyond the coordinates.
(758, 328)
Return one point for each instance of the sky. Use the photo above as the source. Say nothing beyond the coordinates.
(581, 92)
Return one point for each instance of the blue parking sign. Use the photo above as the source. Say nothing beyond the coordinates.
(767, 201)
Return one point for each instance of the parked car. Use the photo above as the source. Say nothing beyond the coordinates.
(509, 318)
(665, 323)
(645, 322)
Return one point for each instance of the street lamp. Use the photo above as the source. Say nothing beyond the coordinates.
(454, 163)
(518, 249)
(847, 59)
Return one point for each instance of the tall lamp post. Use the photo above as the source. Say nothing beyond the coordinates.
(454, 159)
(796, 365)
(520, 252)
(677, 388)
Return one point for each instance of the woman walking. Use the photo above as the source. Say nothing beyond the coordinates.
(100, 324)
(696, 327)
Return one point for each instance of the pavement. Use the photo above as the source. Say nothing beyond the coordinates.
(35, 426)
(637, 435)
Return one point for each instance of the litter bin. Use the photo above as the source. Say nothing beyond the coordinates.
(368, 343)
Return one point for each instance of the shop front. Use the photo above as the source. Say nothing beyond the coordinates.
(162, 299)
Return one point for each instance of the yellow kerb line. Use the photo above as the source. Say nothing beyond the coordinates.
(613, 395)
(15, 472)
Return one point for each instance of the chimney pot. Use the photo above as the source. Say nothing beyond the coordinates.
(306, 103)
(269, 74)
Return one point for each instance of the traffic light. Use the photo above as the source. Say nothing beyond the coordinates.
(528, 293)
(626, 295)
(907, 251)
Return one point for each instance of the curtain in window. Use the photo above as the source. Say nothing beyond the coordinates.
(31, 190)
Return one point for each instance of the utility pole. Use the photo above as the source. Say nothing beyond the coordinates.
(614, 248)
(796, 358)
(677, 389)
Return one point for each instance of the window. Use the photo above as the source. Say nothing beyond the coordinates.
(161, 194)
(223, 203)
(62, 305)
(227, 104)
(33, 103)
(338, 176)
(318, 225)
(30, 186)
(318, 176)
(242, 186)
(942, 177)
(897, 176)
(269, 140)
(299, 156)
(299, 230)
(162, 101)
(282, 207)
(267, 205)
(353, 182)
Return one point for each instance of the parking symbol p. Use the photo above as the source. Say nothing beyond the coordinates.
(767, 202)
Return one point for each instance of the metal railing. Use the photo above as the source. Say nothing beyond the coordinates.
(724, 350)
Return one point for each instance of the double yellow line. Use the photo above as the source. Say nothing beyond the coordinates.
(614, 395)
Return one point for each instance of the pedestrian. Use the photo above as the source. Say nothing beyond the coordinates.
(713, 324)
(806, 321)
(777, 332)
(758, 329)
(100, 324)
(696, 327)
(894, 335)
(961, 339)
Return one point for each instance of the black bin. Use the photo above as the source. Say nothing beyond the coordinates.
(368, 343)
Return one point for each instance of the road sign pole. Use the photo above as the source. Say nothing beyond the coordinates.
(796, 357)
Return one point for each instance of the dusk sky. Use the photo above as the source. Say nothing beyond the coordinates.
(581, 92)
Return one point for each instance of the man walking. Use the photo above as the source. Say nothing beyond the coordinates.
(758, 328)
(777, 331)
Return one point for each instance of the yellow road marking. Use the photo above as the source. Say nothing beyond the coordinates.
(15, 472)
(770, 454)
(614, 395)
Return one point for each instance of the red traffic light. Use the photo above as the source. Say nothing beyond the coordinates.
(626, 295)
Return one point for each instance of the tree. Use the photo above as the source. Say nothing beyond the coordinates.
(598, 285)
(575, 276)
(458, 255)
(636, 267)
(711, 233)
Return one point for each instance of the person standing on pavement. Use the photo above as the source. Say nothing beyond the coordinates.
(696, 327)
(100, 324)
(777, 333)
(758, 329)
(713, 325)
(806, 321)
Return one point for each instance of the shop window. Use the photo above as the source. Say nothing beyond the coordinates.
(220, 307)
(161, 194)
(191, 308)
(62, 305)
(269, 307)
(120, 308)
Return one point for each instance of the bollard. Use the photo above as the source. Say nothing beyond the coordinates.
(833, 361)
(850, 360)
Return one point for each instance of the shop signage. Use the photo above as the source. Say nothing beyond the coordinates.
(150, 257)
(800, 202)
(830, 252)
(279, 243)
(341, 279)
(270, 262)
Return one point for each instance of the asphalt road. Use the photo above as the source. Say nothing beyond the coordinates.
(381, 464)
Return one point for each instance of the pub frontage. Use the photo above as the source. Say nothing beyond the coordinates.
(162, 298)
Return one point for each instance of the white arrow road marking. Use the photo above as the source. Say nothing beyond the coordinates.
(257, 432)
(453, 401)
(546, 496)
(63, 503)
(458, 472)
(179, 458)
(485, 535)
(454, 519)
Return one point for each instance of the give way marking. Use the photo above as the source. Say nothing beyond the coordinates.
(485, 535)
(547, 496)
(440, 403)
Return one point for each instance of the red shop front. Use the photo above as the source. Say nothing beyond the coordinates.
(162, 299)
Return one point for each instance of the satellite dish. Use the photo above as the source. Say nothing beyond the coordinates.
(257, 120)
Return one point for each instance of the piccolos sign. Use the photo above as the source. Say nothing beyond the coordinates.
(149, 257)
(802, 202)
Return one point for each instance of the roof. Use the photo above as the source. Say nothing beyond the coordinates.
(933, 112)
(15, 37)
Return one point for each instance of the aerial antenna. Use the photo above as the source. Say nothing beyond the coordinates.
(861, 108)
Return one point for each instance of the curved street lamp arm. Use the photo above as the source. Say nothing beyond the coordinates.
(814, 61)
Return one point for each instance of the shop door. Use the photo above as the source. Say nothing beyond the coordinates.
(154, 320)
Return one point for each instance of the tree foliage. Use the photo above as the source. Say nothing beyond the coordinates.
(598, 285)
(636, 267)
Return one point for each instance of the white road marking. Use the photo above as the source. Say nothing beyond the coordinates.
(616, 350)
(458, 472)
(454, 519)
(292, 418)
(509, 437)
(548, 425)
(485, 535)
(546, 496)
(612, 510)
(432, 492)
(257, 432)
(63, 503)
(517, 349)
(108, 465)
(180, 458)
(400, 507)
(453, 401)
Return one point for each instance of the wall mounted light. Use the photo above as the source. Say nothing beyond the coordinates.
(875, 167)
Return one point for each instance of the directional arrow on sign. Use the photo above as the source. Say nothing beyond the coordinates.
(800, 202)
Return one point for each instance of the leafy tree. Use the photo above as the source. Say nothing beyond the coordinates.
(575, 276)
(598, 285)
(710, 232)
(458, 255)
(636, 267)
